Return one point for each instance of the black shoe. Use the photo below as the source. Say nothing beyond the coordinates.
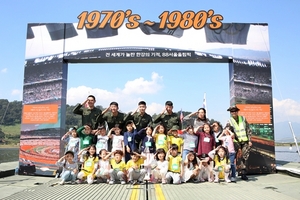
(244, 177)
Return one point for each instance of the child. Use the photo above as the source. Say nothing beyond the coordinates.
(175, 139)
(85, 135)
(129, 139)
(133, 166)
(175, 167)
(101, 139)
(160, 171)
(205, 173)
(147, 149)
(206, 141)
(70, 170)
(161, 139)
(72, 141)
(191, 167)
(118, 170)
(103, 167)
(89, 165)
(190, 141)
(117, 139)
(227, 138)
(222, 163)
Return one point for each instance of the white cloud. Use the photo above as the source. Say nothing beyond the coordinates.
(142, 86)
(286, 110)
(154, 108)
(16, 92)
(3, 70)
(128, 97)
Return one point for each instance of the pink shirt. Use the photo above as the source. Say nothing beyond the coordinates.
(228, 142)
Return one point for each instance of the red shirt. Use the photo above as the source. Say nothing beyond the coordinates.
(206, 143)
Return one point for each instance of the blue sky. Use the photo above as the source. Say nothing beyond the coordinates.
(184, 84)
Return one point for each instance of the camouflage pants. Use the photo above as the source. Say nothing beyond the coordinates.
(244, 149)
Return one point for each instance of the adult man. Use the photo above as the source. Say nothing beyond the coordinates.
(243, 137)
(113, 117)
(89, 113)
(141, 119)
(167, 118)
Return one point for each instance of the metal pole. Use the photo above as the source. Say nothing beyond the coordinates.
(294, 138)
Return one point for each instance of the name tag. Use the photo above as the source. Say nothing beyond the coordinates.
(73, 143)
(175, 166)
(88, 163)
(206, 139)
(86, 142)
(160, 142)
(220, 168)
(99, 145)
(148, 144)
(192, 145)
(129, 139)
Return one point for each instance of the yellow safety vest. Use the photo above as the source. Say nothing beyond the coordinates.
(240, 129)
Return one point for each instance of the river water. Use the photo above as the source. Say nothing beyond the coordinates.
(282, 153)
(285, 153)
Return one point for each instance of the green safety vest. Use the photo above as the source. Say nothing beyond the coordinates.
(240, 129)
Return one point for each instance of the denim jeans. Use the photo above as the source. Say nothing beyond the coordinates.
(184, 153)
(232, 165)
(68, 176)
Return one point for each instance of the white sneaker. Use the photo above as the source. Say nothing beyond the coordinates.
(123, 182)
(227, 180)
(216, 180)
(62, 182)
(111, 182)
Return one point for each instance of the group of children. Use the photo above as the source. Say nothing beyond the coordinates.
(161, 157)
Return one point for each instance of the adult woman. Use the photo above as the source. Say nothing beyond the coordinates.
(199, 121)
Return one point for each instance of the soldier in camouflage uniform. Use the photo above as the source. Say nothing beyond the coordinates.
(88, 114)
(168, 118)
(113, 117)
(242, 140)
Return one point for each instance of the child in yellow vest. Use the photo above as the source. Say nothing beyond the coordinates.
(133, 166)
(161, 139)
(175, 139)
(221, 163)
(89, 165)
(175, 168)
(118, 171)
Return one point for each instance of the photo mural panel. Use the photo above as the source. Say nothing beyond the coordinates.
(51, 46)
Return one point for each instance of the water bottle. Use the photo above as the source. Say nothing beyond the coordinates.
(17, 171)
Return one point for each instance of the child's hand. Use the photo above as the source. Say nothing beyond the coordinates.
(128, 149)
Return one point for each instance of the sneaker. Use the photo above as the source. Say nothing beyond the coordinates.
(227, 180)
(73, 182)
(216, 180)
(209, 180)
(244, 177)
(233, 179)
(79, 181)
(62, 182)
(111, 182)
(141, 182)
(163, 181)
(123, 182)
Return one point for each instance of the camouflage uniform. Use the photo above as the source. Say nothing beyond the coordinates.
(242, 143)
(88, 116)
(168, 121)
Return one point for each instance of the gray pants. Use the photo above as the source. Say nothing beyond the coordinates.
(136, 174)
(116, 175)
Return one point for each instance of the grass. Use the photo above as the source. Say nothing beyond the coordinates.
(12, 130)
